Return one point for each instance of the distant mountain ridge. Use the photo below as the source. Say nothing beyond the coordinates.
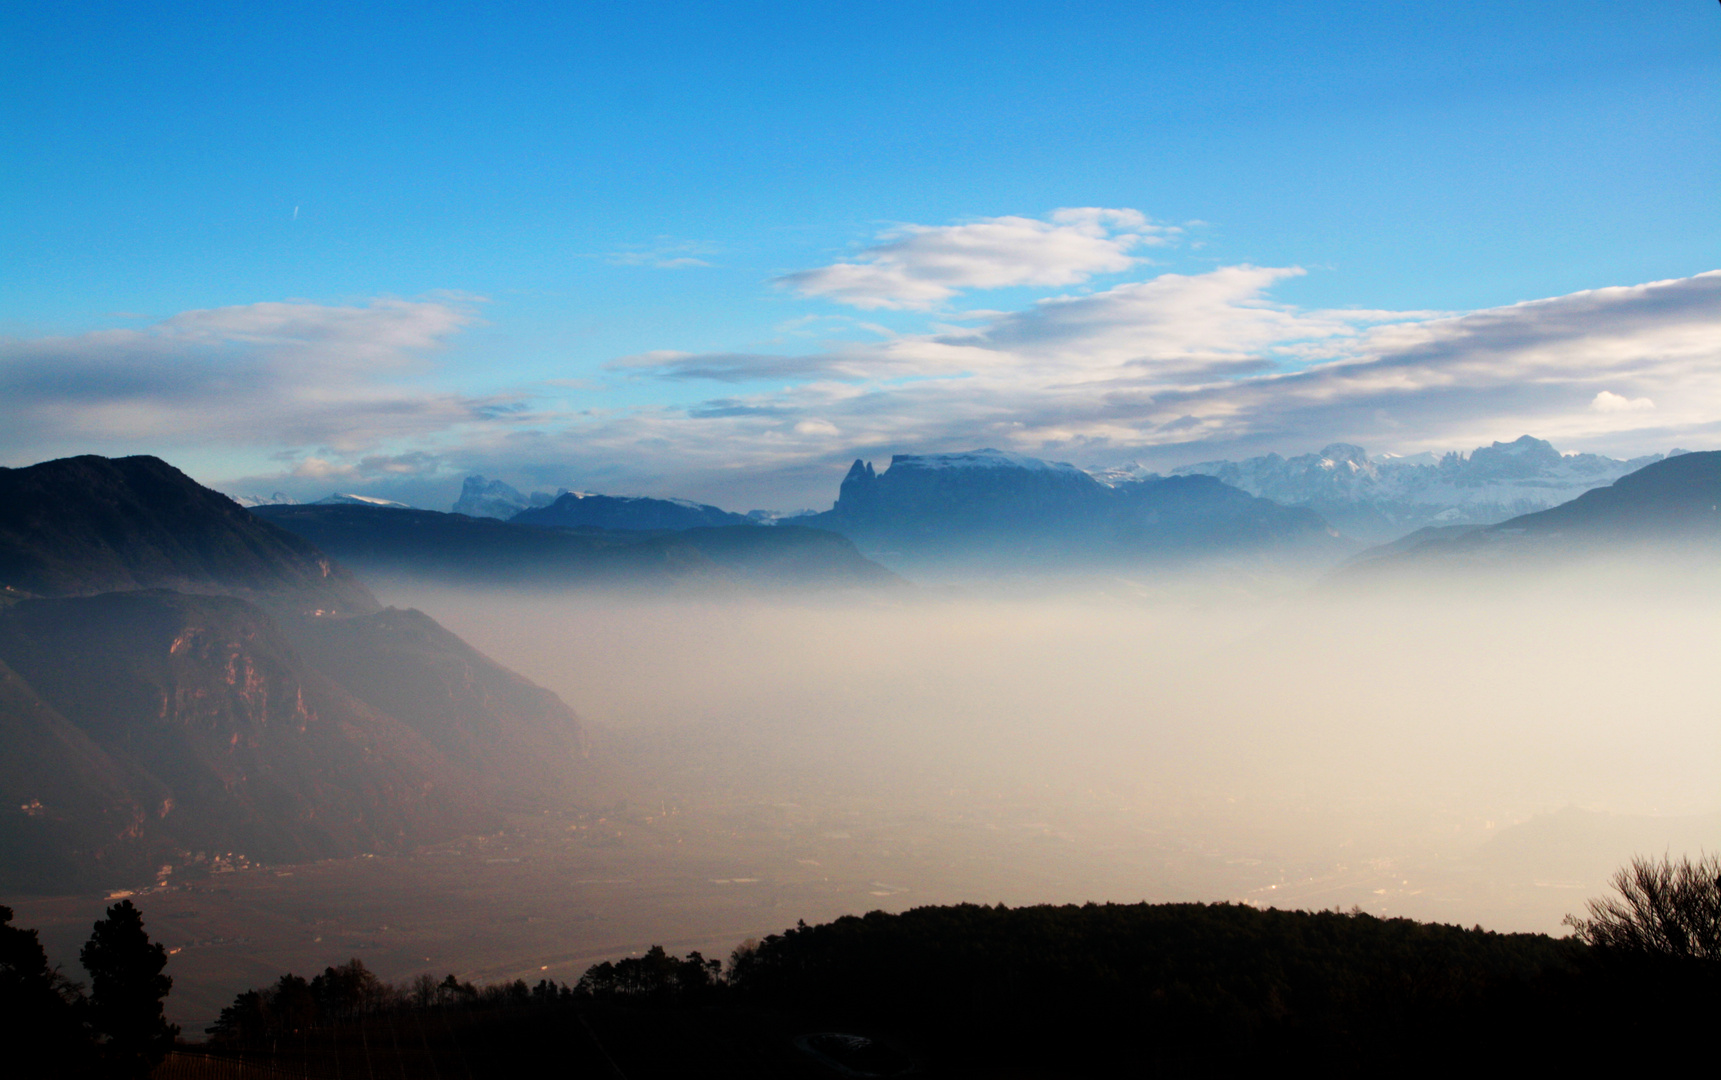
(457, 549)
(988, 504)
(480, 497)
(1671, 506)
(498, 499)
(577, 510)
(1379, 499)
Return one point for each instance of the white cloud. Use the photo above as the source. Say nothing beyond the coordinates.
(259, 375)
(1608, 402)
(921, 266)
(1184, 367)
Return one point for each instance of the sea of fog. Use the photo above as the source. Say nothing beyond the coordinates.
(1479, 755)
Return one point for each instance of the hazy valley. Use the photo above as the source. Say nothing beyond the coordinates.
(751, 750)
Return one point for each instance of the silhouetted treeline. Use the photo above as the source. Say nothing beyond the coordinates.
(1156, 987)
(49, 1025)
(655, 977)
(1090, 990)
(1085, 990)
(351, 992)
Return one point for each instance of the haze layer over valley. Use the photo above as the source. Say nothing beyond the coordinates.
(1324, 744)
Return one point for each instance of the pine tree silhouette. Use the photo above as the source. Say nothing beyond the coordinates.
(126, 991)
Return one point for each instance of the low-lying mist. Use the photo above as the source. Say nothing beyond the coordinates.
(1485, 754)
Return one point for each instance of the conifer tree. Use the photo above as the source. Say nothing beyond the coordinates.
(126, 991)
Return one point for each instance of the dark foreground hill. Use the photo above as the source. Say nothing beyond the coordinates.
(465, 550)
(85, 525)
(1097, 990)
(263, 707)
(1669, 508)
(989, 507)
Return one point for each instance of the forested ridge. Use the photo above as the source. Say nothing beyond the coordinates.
(966, 989)
(971, 990)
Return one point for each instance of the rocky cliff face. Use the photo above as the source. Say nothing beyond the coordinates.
(262, 706)
(192, 724)
(497, 499)
(981, 495)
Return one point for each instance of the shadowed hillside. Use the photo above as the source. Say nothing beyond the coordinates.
(457, 549)
(184, 685)
(191, 724)
(89, 524)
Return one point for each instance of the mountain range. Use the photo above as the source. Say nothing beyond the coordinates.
(1380, 499)
(1668, 508)
(338, 498)
(184, 685)
(1368, 499)
(584, 510)
(1008, 509)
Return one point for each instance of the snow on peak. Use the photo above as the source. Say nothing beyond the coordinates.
(280, 498)
(1126, 473)
(342, 498)
(1384, 496)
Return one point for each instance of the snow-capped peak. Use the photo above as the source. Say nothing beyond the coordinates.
(342, 498)
(280, 498)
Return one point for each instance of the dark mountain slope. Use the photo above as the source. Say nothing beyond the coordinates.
(517, 739)
(1678, 498)
(85, 525)
(65, 804)
(1199, 513)
(213, 734)
(482, 551)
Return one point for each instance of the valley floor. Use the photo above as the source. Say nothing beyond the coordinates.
(554, 893)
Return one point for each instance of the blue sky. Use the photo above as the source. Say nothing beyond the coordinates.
(376, 247)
